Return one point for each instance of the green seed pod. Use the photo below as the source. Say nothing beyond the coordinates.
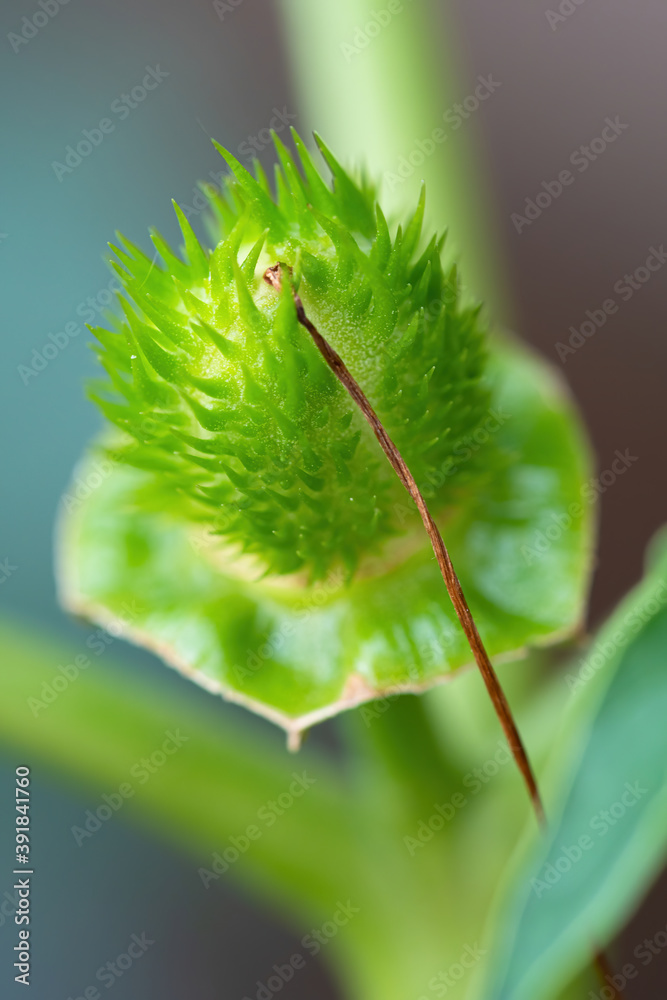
(247, 525)
(248, 429)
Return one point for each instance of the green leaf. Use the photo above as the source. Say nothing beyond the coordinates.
(609, 836)
(298, 653)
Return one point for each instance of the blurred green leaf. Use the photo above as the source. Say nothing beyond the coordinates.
(609, 837)
(297, 654)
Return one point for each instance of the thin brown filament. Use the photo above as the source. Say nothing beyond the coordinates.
(273, 277)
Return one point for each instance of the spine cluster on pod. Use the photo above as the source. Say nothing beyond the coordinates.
(228, 408)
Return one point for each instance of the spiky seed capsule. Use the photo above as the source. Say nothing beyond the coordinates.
(230, 409)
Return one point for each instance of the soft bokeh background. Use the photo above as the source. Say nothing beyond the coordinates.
(226, 75)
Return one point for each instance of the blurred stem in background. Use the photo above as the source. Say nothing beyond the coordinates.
(376, 81)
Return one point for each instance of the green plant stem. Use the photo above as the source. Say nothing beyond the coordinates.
(378, 103)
